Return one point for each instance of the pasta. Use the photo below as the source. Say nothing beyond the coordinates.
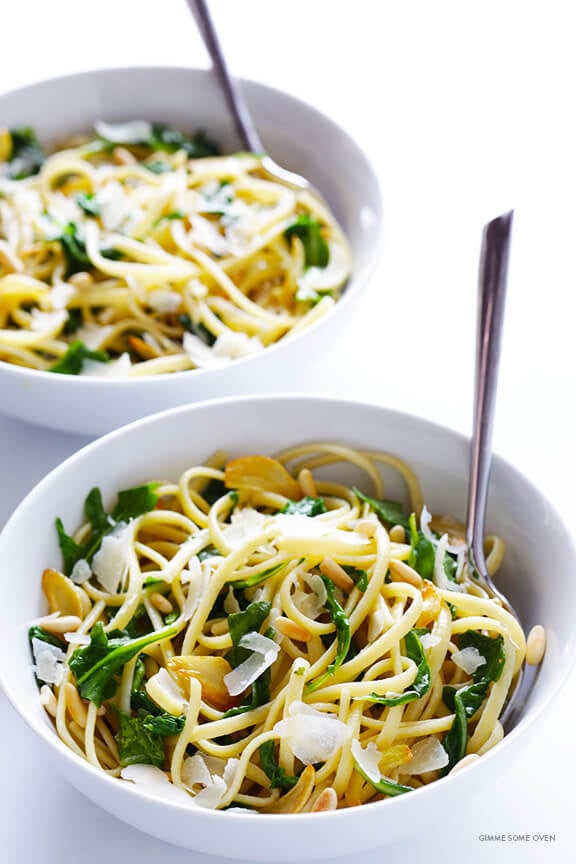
(259, 636)
(142, 252)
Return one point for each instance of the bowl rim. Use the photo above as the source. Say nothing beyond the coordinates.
(353, 286)
(343, 404)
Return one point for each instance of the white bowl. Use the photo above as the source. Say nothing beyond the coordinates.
(297, 135)
(538, 576)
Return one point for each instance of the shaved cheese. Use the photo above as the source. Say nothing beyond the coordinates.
(94, 336)
(311, 735)
(206, 234)
(312, 605)
(49, 661)
(232, 345)
(440, 577)
(164, 301)
(136, 132)
(201, 355)
(195, 772)
(63, 209)
(428, 640)
(427, 755)
(59, 296)
(368, 759)
(198, 583)
(265, 651)
(74, 638)
(315, 280)
(43, 322)
(114, 369)
(231, 604)
(162, 688)
(469, 659)
(425, 520)
(245, 523)
(81, 572)
(110, 563)
(153, 781)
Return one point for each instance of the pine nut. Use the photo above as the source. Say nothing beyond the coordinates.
(327, 800)
(465, 762)
(63, 624)
(81, 280)
(219, 627)
(161, 603)
(292, 630)
(122, 156)
(10, 262)
(75, 704)
(48, 700)
(402, 572)
(535, 645)
(366, 527)
(307, 484)
(397, 534)
(337, 574)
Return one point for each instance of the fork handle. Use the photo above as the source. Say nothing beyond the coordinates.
(242, 120)
(492, 293)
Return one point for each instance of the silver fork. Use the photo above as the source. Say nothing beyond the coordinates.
(492, 295)
(245, 127)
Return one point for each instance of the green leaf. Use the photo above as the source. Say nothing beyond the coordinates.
(27, 156)
(71, 551)
(169, 217)
(164, 724)
(305, 507)
(208, 338)
(388, 512)
(36, 632)
(260, 577)
(467, 700)
(171, 140)
(73, 360)
(422, 553)
(278, 777)
(343, 633)
(384, 785)
(88, 203)
(252, 618)
(137, 744)
(308, 229)
(134, 502)
(75, 254)
(95, 513)
(360, 577)
(422, 681)
(157, 167)
(97, 665)
(74, 322)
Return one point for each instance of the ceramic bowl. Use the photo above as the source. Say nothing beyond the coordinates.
(538, 576)
(296, 134)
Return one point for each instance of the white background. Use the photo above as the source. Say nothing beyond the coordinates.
(465, 108)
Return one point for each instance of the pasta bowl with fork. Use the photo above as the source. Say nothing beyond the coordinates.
(279, 627)
(144, 263)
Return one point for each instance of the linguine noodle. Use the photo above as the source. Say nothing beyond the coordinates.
(254, 636)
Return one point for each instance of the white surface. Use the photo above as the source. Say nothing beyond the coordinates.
(465, 108)
(264, 425)
(292, 130)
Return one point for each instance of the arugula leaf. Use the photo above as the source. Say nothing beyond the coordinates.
(422, 681)
(205, 335)
(384, 785)
(169, 217)
(258, 578)
(157, 167)
(278, 777)
(74, 322)
(134, 502)
(360, 577)
(343, 633)
(305, 507)
(137, 744)
(466, 701)
(171, 140)
(130, 504)
(308, 229)
(36, 632)
(252, 618)
(163, 724)
(96, 666)
(422, 553)
(88, 203)
(72, 361)
(389, 512)
(27, 156)
(75, 254)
